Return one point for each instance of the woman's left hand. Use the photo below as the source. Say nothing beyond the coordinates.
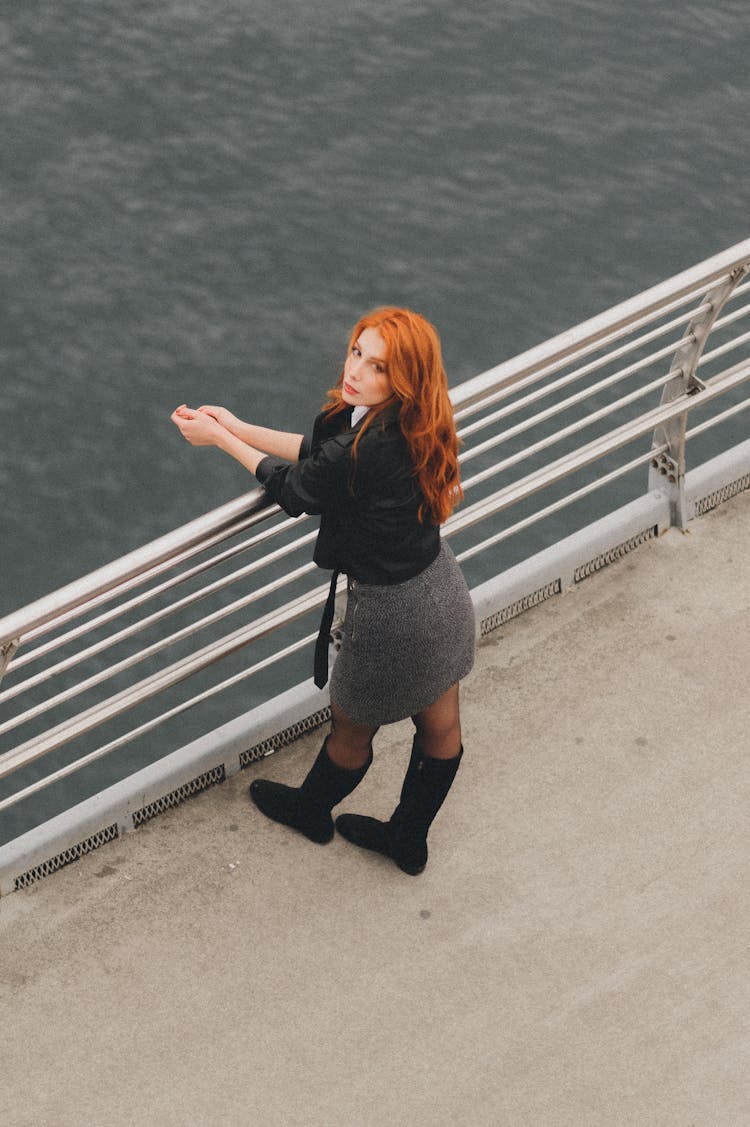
(197, 427)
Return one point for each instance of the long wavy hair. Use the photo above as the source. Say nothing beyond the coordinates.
(419, 385)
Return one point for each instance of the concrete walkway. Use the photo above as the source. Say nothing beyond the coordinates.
(576, 953)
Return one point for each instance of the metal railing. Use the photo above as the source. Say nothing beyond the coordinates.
(561, 419)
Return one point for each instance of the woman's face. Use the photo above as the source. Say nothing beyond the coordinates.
(366, 380)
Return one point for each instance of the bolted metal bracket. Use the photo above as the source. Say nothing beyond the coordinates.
(665, 466)
(7, 651)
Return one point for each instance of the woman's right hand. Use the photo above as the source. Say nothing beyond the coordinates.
(222, 416)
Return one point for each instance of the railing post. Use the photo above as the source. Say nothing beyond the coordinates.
(667, 470)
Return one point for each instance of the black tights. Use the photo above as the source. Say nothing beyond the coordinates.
(438, 728)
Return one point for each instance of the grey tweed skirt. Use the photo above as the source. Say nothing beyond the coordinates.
(403, 645)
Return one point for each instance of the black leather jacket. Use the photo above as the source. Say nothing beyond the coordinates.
(369, 525)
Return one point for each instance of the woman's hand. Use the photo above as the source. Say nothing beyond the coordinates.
(223, 417)
(202, 428)
(199, 428)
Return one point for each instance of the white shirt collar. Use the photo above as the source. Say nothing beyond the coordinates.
(359, 413)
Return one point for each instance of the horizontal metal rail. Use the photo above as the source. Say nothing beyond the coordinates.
(552, 412)
(156, 683)
(596, 365)
(608, 395)
(120, 575)
(157, 616)
(556, 506)
(155, 722)
(151, 593)
(716, 420)
(599, 448)
(156, 647)
(586, 370)
(601, 330)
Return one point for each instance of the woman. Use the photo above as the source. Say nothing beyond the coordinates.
(381, 469)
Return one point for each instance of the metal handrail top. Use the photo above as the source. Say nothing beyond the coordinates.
(221, 522)
(601, 329)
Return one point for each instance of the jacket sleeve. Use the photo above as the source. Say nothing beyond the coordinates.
(312, 483)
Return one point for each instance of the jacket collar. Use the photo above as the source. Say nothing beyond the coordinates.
(386, 418)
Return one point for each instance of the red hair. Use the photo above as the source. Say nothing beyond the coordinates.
(414, 366)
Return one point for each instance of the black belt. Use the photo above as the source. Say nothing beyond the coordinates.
(324, 636)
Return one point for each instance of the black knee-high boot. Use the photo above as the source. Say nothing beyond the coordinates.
(404, 836)
(307, 808)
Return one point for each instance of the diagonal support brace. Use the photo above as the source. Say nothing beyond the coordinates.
(667, 472)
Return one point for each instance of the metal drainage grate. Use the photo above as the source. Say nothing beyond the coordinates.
(487, 625)
(287, 736)
(65, 858)
(175, 797)
(587, 569)
(713, 500)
